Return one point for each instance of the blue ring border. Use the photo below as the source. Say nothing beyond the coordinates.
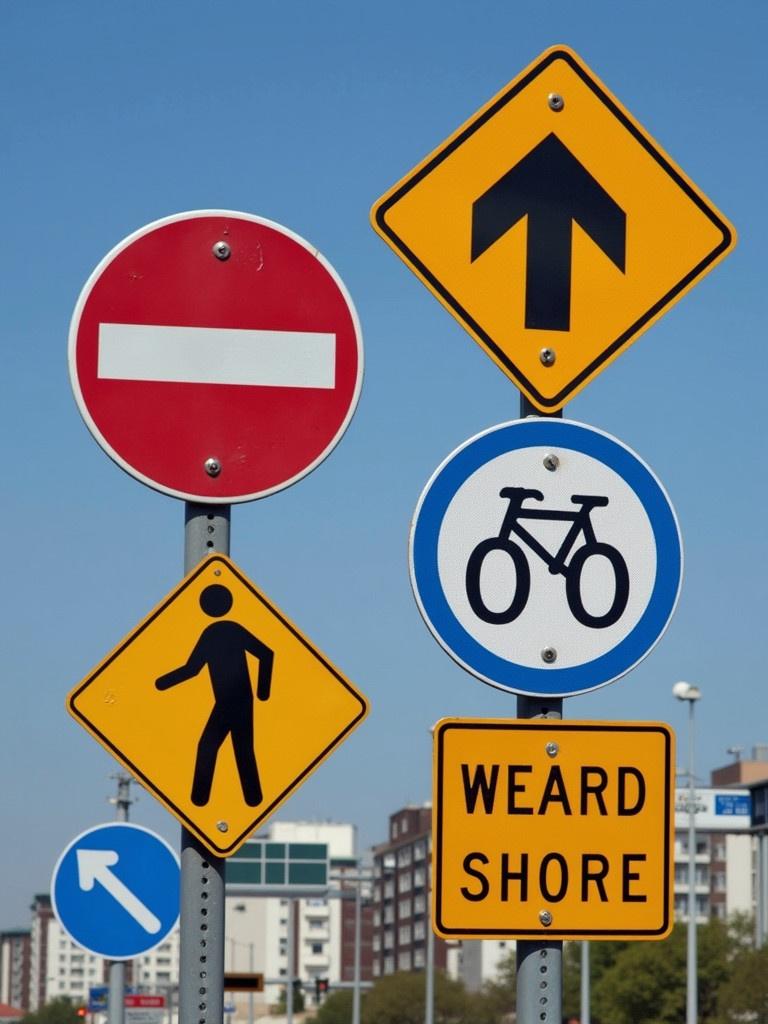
(425, 578)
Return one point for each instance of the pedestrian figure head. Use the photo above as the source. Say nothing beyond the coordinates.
(216, 600)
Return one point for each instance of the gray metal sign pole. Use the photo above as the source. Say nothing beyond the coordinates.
(291, 939)
(358, 939)
(201, 926)
(586, 1013)
(539, 963)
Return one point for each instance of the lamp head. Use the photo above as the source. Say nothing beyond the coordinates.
(686, 691)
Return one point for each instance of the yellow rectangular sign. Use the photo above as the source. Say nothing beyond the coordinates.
(553, 227)
(218, 704)
(543, 828)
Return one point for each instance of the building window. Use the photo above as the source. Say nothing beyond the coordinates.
(404, 882)
(419, 850)
(419, 877)
(377, 919)
(404, 962)
(418, 958)
(404, 857)
(394, 830)
(419, 903)
(404, 935)
(389, 965)
(404, 824)
(376, 943)
(389, 890)
(389, 939)
(389, 915)
(317, 948)
(404, 908)
(418, 931)
(376, 969)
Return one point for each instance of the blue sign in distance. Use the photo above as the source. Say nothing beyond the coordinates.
(545, 557)
(115, 890)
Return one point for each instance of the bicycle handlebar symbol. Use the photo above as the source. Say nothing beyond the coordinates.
(581, 524)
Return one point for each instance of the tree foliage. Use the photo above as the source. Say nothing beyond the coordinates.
(59, 1011)
(399, 999)
(336, 1008)
(631, 983)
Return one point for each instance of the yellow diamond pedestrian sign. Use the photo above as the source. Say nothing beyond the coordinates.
(218, 704)
(553, 227)
(552, 829)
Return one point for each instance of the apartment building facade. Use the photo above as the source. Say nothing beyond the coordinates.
(15, 950)
(401, 887)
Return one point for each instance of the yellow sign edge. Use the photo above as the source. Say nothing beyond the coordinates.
(632, 333)
(233, 845)
(552, 725)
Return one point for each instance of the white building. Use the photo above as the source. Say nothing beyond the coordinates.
(479, 961)
(724, 873)
(259, 928)
(59, 967)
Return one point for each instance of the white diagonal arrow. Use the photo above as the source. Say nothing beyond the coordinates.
(94, 866)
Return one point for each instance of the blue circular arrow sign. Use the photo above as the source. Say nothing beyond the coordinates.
(546, 557)
(115, 890)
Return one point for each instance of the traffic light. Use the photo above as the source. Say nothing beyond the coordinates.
(321, 988)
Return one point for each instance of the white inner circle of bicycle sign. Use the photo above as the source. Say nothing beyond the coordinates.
(476, 513)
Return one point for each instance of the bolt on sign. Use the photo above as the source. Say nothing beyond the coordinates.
(218, 704)
(553, 227)
(551, 828)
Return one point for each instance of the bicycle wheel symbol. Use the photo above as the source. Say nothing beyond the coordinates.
(573, 571)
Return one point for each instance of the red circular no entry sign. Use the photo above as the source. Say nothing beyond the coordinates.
(215, 356)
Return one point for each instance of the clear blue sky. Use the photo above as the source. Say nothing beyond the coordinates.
(304, 112)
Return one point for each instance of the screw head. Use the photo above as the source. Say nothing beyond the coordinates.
(548, 356)
(221, 250)
(545, 917)
(222, 826)
(212, 466)
(552, 749)
(548, 655)
(551, 462)
(556, 102)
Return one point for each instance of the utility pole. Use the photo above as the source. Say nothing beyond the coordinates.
(122, 802)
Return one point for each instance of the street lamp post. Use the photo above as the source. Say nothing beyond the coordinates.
(690, 693)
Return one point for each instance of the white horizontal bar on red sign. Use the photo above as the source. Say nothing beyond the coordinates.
(217, 355)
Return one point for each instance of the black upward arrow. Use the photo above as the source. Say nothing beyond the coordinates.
(554, 190)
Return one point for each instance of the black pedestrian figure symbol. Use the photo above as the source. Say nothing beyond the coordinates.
(222, 647)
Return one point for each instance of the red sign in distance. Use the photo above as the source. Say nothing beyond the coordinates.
(216, 356)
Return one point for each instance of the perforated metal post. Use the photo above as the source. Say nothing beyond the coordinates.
(539, 963)
(201, 969)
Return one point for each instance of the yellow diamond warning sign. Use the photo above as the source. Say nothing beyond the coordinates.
(553, 227)
(549, 828)
(218, 704)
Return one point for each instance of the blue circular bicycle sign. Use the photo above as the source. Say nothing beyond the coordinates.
(546, 557)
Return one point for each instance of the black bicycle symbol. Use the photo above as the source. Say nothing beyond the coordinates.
(572, 571)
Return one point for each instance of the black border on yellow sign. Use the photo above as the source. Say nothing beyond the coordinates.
(541, 932)
(213, 843)
(380, 212)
